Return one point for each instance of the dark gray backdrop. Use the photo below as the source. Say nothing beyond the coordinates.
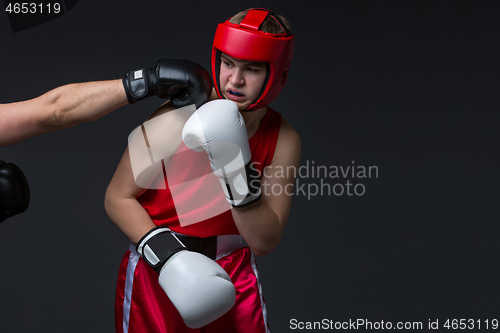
(408, 86)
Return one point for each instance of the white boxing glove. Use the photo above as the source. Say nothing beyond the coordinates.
(197, 286)
(218, 128)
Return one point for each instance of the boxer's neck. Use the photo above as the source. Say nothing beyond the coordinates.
(253, 119)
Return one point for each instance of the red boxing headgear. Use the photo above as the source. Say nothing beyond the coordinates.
(244, 41)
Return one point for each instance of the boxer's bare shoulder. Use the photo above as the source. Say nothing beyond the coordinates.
(289, 144)
(164, 108)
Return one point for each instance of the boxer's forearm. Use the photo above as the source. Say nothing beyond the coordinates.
(82, 102)
(129, 216)
(60, 108)
(259, 226)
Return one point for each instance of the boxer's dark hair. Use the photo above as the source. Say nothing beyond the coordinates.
(269, 25)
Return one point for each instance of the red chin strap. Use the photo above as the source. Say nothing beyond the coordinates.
(244, 41)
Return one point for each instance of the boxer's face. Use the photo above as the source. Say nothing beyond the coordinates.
(241, 81)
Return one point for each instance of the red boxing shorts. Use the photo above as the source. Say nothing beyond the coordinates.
(141, 305)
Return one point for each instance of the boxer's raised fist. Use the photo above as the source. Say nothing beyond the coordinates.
(14, 191)
(219, 128)
(184, 82)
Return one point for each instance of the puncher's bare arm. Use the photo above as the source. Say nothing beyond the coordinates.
(77, 103)
(60, 108)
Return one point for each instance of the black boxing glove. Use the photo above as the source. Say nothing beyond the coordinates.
(14, 191)
(183, 81)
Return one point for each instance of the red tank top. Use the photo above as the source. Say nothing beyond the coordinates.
(187, 176)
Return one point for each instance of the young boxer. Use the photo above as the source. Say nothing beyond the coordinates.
(167, 281)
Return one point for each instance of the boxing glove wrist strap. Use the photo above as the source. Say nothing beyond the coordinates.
(157, 246)
(243, 188)
(139, 84)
